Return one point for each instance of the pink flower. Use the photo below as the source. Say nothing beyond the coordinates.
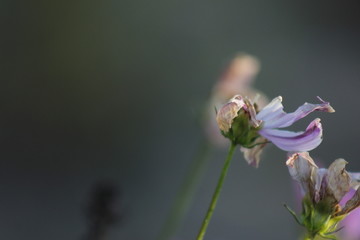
(238, 78)
(240, 121)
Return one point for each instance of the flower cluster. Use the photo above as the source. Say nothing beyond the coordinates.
(329, 195)
(323, 191)
(240, 121)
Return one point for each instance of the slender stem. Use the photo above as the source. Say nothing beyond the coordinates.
(216, 194)
(184, 196)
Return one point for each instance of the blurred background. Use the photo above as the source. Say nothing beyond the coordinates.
(95, 91)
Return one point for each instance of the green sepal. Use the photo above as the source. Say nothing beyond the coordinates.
(292, 212)
(318, 218)
(242, 132)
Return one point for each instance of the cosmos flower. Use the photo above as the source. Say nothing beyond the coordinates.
(323, 191)
(240, 121)
(238, 77)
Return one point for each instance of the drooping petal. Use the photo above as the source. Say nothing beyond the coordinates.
(301, 168)
(228, 112)
(274, 116)
(338, 180)
(295, 141)
(252, 155)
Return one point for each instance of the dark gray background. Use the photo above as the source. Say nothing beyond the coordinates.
(96, 90)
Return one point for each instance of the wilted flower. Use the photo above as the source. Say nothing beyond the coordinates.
(323, 190)
(238, 78)
(241, 122)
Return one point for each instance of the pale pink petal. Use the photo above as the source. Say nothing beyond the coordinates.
(295, 141)
(252, 155)
(301, 168)
(351, 222)
(273, 110)
(274, 116)
(347, 197)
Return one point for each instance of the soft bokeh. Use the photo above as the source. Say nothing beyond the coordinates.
(110, 90)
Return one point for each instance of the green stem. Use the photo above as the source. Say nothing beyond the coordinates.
(184, 196)
(216, 194)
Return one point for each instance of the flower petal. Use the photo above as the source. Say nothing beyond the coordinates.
(295, 141)
(273, 110)
(301, 168)
(228, 112)
(318, 179)
(353, 203)
(351, 230)
(338, 180)
(274, 116)
(355, 177)
(252, 155)
(250, 109)
(351, 221)
(347, 197)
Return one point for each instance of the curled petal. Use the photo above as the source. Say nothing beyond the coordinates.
(295, 141)
(252, 155)
(274, 116)
(301, 168)
(228, 112)
(338, 180)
